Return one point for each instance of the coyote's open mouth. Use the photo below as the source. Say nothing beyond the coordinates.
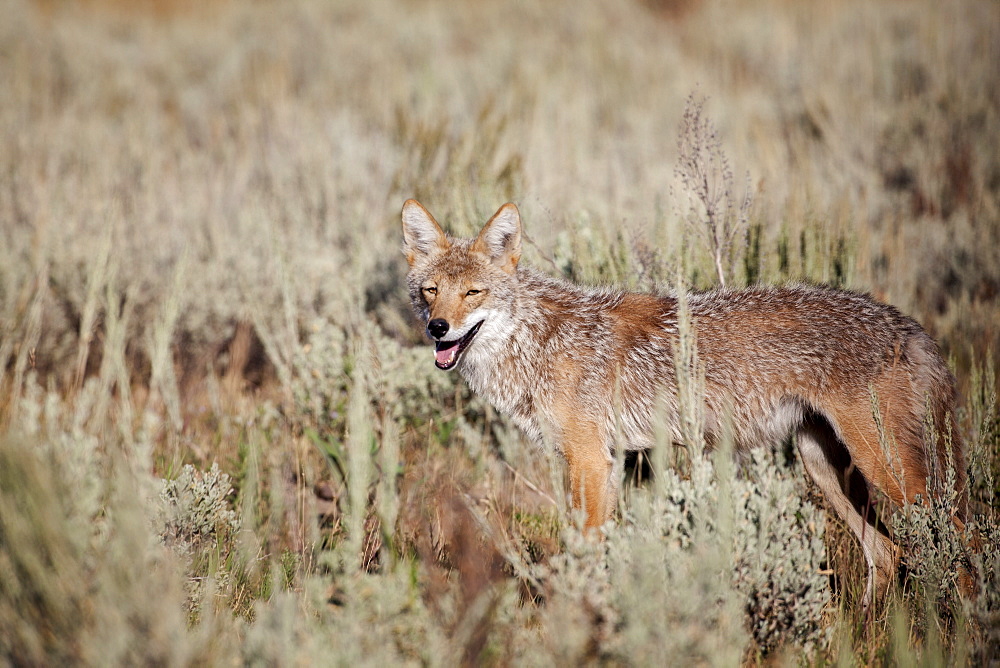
(446, 353)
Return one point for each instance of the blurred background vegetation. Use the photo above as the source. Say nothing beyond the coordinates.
(221, 433)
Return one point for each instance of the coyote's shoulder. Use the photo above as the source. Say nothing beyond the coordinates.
(583, 370)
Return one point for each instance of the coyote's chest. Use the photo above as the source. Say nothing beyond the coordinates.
(500, 368)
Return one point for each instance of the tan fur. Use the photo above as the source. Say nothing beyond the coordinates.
(589, 467)
(580, 369)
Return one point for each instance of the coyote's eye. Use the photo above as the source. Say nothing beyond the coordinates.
(472, 292)
(431, 291)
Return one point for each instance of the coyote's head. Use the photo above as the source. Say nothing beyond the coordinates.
(461, 287)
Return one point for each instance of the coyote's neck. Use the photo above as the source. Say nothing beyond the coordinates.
(508, 363)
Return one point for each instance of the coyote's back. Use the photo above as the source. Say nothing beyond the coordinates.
(852, 379)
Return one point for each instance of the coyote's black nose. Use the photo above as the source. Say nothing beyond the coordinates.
(437, 327)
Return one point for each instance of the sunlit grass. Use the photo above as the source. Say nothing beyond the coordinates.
(200, 282)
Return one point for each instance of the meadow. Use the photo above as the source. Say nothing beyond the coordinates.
(222, 436)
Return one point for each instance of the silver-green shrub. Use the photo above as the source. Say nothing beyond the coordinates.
(581, 613)
(779, 556)
(195, 510)
(671, 571)
(935, 551)
(369, 620)
(68, 441)
(984, 608)
(78, 588)
(403, 378)
(195, 519)
(698, 566)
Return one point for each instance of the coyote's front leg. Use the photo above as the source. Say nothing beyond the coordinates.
(590, 467)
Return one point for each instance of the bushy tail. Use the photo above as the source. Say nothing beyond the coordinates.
(935, 388)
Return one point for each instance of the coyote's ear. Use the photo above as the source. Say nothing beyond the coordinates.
(422, 235)
(500, 238)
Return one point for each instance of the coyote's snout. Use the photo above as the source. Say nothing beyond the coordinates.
(447, 351)
(586, 367)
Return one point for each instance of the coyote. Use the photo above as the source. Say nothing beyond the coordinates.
(585, 367)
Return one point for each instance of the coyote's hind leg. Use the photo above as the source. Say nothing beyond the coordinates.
(829, 465)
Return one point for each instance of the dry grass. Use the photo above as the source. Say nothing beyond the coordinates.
(199, 265)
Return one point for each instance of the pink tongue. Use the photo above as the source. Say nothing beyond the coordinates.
(446, 355)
